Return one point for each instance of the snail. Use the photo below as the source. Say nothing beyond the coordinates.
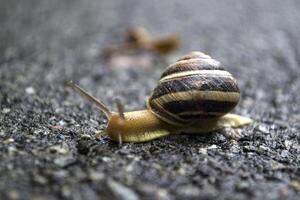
(138, 38)
(194, 95)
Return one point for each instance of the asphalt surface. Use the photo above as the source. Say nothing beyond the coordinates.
(49, 146)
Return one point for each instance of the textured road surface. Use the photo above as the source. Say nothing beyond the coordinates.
(49, 148)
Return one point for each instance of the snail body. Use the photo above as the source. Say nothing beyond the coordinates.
(143, 125)
(194, 95)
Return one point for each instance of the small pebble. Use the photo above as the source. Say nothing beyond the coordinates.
(66, 191)
(123, 151)
(163, 194)
(106, 159)
(122, 192)
(85, 136)
(64, 161)
(212, 147)
(263, 129)
(40, 179)
(277, 165)
(2, 133)
(30, 90)
(249, 148)
(96, 176)
(181, 171)
(60, 174)
(264, 149)
(188, 191)
(284, 153)
(12, 150)
(203, 151)
(288, 144)
(234, 147)
(242, 185)
(13, 195)
(59, 149)
(5, 110)
(8, 141)
(61, 123)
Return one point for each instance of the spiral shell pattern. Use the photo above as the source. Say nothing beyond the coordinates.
(193, 88)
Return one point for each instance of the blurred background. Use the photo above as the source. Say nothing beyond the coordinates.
(65, 34)
(45, 43)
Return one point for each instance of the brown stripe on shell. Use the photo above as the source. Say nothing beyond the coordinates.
(164, 115)
(198, 95)
(206, 106)
(195, 82)
(195, 117)
(192, 64)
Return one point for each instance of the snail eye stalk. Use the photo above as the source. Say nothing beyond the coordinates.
(120, 108)
(101, 106)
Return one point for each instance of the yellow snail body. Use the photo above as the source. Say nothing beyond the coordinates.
(194, 95)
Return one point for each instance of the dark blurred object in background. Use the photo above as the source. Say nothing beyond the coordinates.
(138, 39)
(136, 50)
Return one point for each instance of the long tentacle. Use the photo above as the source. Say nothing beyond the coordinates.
(91, 98)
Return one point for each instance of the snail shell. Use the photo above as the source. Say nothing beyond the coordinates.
(194, 88)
